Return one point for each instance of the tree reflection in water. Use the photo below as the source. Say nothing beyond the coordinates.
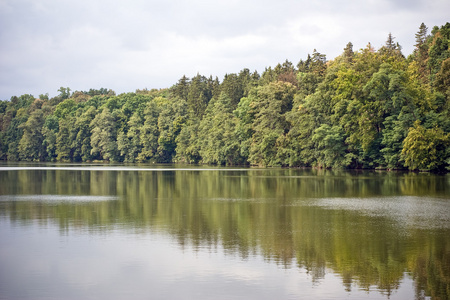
(368, 227)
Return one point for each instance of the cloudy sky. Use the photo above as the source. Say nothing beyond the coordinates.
(136, 44)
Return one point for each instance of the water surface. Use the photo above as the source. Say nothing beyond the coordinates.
(176, 232)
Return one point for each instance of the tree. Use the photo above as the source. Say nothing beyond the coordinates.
(14, 130)
(64, 139)
(64, 93)
(103, 138)
(442, 82)
(269, 103)
(199, 95)
(330, 147)
(49, 132)
(82, 131)
(421, 52)
(144, 139)
(386, 95)
(181, 88)
(348, 52)
(233, 87)
(187, 141)
(244, 131)
(391, 48)
(218, 142)
(395, 131)
(304, 65)
(65, 108)
(31, 143)
(426, 148)
(438, 49)
(421, 36)
(286, 72)
(171, 120)
(318, 63)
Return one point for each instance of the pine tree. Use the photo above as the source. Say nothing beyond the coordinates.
(421, 35)
(348, 52)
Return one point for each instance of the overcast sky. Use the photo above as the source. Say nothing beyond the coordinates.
(136, 44)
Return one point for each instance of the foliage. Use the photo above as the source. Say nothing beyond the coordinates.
(426, 148)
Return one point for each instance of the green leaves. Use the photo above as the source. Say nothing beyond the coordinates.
(269, 104)
(330, 147)
(30, 145)
(104, 135)
(426, 148)
(217, 139)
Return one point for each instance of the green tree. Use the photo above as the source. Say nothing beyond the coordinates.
(49, 132)
(426, 148)
(395, 131)
(171, 119)
(30, 145)
(219, 144)
(286, 72)
(244, 127)
(233, 87)
(391, 48)
(331, 150)
(421, 52)
(438, 49)
(348, 52)
(269, 104)
(318, 65)
(199, 95)
(64, 138)
(181, 88)
(64, 93)
(386, 96)
(442, 82)
(104, 135)
(82, 131)
(303, 121)
(65, 108)
(187, 141)
(147, 134)
(14, 131)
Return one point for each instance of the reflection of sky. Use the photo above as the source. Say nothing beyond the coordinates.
(417, 212)
(39, 262)
(56, 198)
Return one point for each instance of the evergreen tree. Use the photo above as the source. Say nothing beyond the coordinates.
(218, 143)
(199, 96)
(269, 103)
(348, 52)
(233, 87)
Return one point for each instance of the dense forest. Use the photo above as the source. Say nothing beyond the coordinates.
(364, 109)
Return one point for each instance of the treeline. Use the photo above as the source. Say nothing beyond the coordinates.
(364, 109)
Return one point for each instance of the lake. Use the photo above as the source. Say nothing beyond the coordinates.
(71, 231)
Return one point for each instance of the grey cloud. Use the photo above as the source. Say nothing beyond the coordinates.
(135, 44)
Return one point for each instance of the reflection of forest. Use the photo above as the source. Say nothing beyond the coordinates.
(265, 212)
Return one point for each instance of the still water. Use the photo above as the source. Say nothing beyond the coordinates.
(171, 232)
